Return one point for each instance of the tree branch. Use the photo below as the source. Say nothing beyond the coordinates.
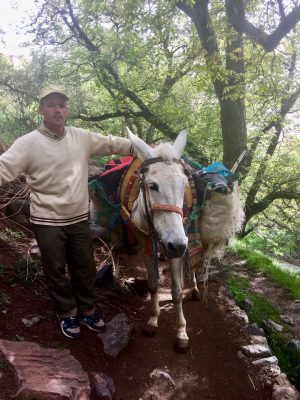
(236, 15)
(103, 117)
(264, 203)
(110, 78)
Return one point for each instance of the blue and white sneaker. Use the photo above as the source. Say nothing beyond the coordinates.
(70, 327)
(94, 322)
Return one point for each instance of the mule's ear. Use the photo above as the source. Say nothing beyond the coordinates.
(140, 146)
(180, 143)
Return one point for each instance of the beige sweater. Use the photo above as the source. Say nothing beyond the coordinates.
(57, 171)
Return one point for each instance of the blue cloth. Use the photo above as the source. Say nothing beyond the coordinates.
(217, 168)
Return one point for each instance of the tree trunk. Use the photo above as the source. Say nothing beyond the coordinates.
(229, 88)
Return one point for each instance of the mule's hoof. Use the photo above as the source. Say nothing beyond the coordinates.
(149, 330)
(182, 345)
(196, 295)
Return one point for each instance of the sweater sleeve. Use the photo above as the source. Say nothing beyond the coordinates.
(108, 145)
(12, 162)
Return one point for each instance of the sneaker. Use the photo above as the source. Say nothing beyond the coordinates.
(94, 322)
(70, 327)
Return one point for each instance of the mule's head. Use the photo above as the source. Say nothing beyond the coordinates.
(158, 207)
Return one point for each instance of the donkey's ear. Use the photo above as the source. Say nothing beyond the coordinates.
(180, 143)
(142, 148)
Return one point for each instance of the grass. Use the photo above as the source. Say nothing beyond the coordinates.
(290, 281)
(261, 311)
(3, 364)
(289, 361)
(2, 270)
(28, 270)
(4, 299)
(8, 234)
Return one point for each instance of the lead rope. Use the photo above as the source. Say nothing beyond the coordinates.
(152, 231)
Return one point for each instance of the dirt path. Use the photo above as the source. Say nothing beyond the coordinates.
(211, 370)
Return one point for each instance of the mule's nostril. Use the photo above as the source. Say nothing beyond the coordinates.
(171, 247)
(177, 249)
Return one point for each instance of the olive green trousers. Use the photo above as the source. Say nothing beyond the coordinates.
(68, 249)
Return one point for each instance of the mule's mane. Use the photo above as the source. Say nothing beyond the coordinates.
(165, 151)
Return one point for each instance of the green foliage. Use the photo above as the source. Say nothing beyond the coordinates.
(146, 59)
(25, 397)
(274, 242)
(4, 299)
(20, 338)
(2, 270)
(259, 262)
(28, 271)
(3, 365)
(7, 234)
(289, 361)
(262, 309)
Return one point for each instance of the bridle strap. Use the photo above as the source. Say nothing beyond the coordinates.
(154, 160)
(166, 207)
(151, 228)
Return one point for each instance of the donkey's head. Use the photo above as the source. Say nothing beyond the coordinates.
(158, 208)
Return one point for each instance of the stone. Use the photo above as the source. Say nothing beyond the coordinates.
(293, 346)
(281, 380)
(116, 335)
(31, 322)
(43, 373)
(284, 393)
(265, 361)
(288, 319)
(247, 306)
(270, 371)
(223, 293)
(239, 314)
(34, 249)
(271, 326)
(253, 329)
(256, 350)
(159, 374)
(255, 339)
(104, 387)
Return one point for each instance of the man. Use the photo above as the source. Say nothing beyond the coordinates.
(54, 158)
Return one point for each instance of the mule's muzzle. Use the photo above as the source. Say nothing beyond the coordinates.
(174, 248)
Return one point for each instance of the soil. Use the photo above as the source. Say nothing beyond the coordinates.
(210, 370)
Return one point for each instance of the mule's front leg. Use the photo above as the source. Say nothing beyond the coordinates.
(182, 340)
(152, 324)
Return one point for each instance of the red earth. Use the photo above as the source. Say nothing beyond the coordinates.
(210, 370)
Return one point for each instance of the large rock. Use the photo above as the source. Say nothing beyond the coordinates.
(104, 387)
(116, 335)
(256, 350)
(46, 374)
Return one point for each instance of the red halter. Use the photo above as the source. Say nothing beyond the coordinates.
(166, 207)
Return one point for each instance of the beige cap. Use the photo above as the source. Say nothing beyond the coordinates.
(52, 89)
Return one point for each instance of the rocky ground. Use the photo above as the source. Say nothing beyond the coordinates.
(214, 368)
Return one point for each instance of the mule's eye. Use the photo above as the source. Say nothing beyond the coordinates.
(153, 186)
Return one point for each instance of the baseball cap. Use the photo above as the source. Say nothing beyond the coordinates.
(52, 89)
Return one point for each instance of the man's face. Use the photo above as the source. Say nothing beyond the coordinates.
(55, 111)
